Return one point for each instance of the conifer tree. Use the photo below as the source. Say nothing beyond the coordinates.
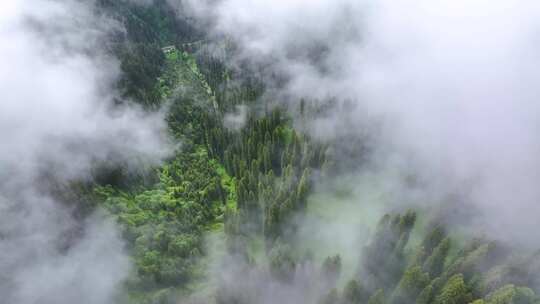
(455, 291)
(331, 269)
(414, 280)
(435, 263)
(377, 298)
(354, 293)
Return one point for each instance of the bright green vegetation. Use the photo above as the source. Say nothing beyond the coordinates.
(164, 224)
(218, 179)
(242, 196)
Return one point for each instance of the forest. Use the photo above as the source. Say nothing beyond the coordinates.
(222, 219)
(251, 185)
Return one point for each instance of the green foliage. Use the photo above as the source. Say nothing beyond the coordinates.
(433, 238)
(503, 295)
(282, 262)
(148, 28)
(384, 258)
(414, 280)
(455, 291)
(377, 298)
(426, 295)
(471, 259)
(156, 22)
(354, 293)
(142, 64)
(254, 183)
(509, 294)
(435, 263)
(273, 176)
(164, 225)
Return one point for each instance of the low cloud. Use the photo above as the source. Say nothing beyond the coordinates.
(57, 118)
(236, 120)
(451, 87)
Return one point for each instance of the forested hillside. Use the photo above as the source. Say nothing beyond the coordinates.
(220, 220)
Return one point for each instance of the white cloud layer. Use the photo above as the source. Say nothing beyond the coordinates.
(455, 83)
(56, 118)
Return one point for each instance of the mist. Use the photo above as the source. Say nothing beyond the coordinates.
(59, 117)
(451, 85)
(441, 94)
(434, 109)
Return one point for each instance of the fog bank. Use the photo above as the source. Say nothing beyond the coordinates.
(56, 121)
(452, 84)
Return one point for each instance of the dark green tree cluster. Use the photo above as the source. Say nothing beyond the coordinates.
(431, 273)
(272, 166)
(232, 85)
(148, 28)
(164, 225)
(153, 21)
(271, 163)
(384, 260)
(254, 183)
(268, 159)
(142, 65)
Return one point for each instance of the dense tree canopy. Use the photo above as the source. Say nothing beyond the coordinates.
(251, 186)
